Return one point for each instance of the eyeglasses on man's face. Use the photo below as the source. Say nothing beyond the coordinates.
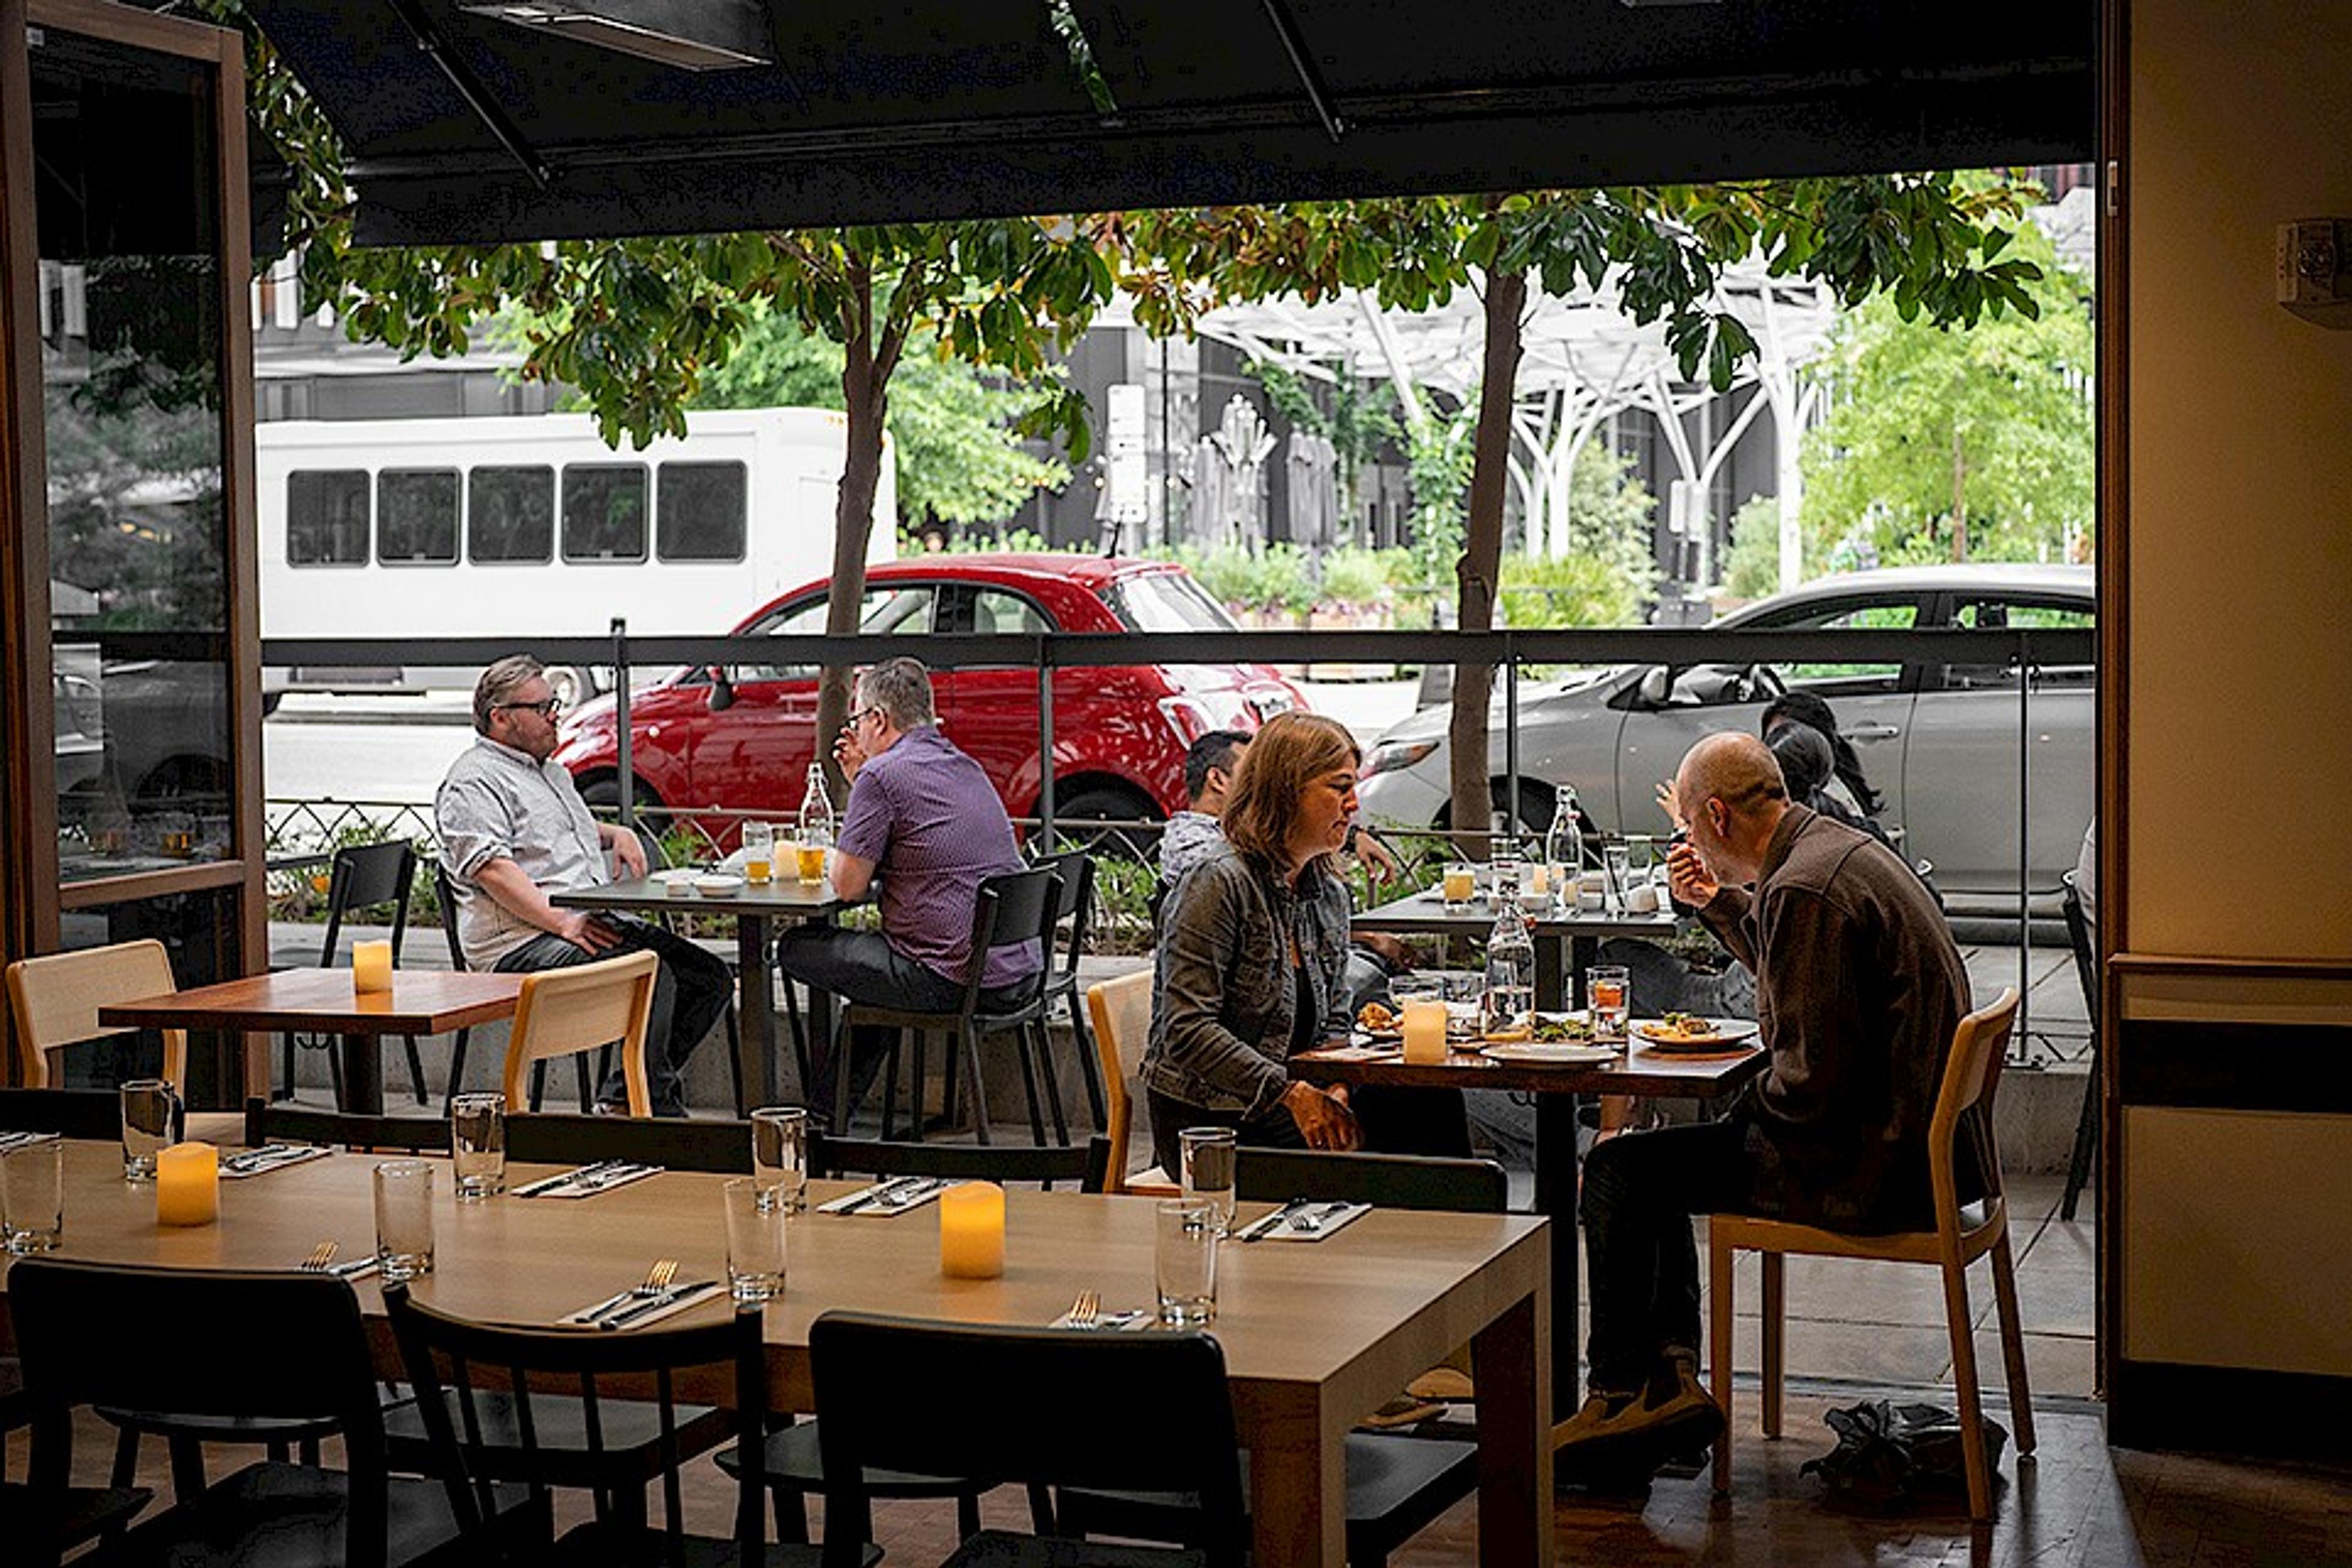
(862, 715)
(546, 707)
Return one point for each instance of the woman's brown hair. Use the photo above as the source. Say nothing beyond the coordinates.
(1290, 752)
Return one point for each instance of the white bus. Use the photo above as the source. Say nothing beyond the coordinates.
(529, 526)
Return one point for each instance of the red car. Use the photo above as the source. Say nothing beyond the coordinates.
(1119, 734)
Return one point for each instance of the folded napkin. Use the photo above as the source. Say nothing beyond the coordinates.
(1111, 1323)
(1281, 1224)
(588, 1180)
(19, 1140)
(268, 1157)
(1372, 1051)
(353, 1267)
(888, 1198)
(640, 1311)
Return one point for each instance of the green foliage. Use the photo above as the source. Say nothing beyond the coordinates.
(1568, 591)
(1012, 540)
(1274, 580)
(1123, 890)
(1440, 453)
(1751, 569)
(1350, 414)
(1994, 425)
(1608, 517)
(1352, 576)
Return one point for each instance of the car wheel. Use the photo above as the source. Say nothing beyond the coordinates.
(1073, 819)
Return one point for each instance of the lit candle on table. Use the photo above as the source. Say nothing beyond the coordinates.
(371, 966)
(1424, 1031)
(972, 1231)
(187, 1185)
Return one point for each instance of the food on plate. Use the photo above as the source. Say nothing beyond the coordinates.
(1517, 1035)
(1563, 1031)
(1681, 1027)
(1375, 1018)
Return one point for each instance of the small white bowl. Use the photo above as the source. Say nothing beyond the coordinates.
(716, 885)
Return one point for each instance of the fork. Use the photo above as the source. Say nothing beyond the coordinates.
(1087, 1310)
(657, 1278)
(320, 1257)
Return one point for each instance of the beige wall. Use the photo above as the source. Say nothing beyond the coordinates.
(2240, 767)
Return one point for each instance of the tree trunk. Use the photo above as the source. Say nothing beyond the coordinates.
(1482, 556)
(866, 394)
(1959, 497)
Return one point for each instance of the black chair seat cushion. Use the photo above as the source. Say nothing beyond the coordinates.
(219, 1428)
(600, 1544)
(630, 1431)
(1396, 1486)
(994, 1549)
(291, 1516)
(27, 1518)
(791, 1460)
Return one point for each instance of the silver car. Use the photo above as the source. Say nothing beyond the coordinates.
(1938, 740)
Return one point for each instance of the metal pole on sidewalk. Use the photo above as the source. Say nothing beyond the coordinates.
(627, 783)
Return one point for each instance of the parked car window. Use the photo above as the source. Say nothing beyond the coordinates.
(2010, 614)
(996, 613)
(701, 511)
(327, 517)
(417, 517)
(1847, 679)
(1165, 602)
(510, 514)
(884, 609)
(604, 511)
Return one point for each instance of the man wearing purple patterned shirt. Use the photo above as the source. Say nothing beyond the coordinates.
(924, 815)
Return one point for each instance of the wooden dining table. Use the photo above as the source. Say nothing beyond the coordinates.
(323, 1001)
(1315, 1335)
(1636, 1071)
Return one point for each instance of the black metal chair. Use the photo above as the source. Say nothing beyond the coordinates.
(581, 1437)
(1397, 1485)
(2086, 1121)
(92, 1113)
(445, 897)
(714, 1145)
(287, 1347)
(275, 1121)
(364, 877)
(1011, 908)
(1073, 913)
(899, 1394)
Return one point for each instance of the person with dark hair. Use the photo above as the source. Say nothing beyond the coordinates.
(1805, 708)
(1192, 833)
(1807, 764)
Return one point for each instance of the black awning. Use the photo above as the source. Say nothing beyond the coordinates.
(877, 111)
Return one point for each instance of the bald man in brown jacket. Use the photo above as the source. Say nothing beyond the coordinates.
(1859, 987)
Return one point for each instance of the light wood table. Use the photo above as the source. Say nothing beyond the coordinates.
(755, 908)
(421, 1001)
(1640, 1071)
(1315, 1335)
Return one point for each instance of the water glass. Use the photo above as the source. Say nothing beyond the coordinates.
(759, 851)
(1208, 1173)
(1617, 857)
(1610, 989)
(1459, 885)
(478, 1145)
(755, 1239)
(33, 1197)
(780, 1154)
(1503, 872)
(151, 1119)
(1184, 1259)
(404, 1218)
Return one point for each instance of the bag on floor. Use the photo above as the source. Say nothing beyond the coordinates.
(1888, 1455)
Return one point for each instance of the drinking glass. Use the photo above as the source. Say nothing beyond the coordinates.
(151, 1119)
(477, 1144)
(404, 1218)
(755, 1239)
(1184, 1259)
(1617, 857)
(809, 859)
(1503, 873)
(1208, 1174)
(1461, 885)
(33, 1197)
(1611, 991)
(780, 1154)
(759, 851)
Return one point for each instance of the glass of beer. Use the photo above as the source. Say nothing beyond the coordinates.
(1461, 884)
(809, 861)
(759, 851)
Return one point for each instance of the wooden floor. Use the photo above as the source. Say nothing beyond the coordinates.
(2078, 1504)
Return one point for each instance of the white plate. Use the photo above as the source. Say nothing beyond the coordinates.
(717, 885)
(1528, 1053)
(1728, 1031)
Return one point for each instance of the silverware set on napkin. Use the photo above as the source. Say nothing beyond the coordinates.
(586, 1179)
(1305, 1215)
(903, 1193)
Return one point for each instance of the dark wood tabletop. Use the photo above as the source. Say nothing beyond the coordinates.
(421, 1001)
(1641, 1071)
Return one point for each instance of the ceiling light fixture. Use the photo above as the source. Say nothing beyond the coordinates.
(691, 35)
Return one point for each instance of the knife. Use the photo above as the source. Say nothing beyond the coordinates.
(874, 1195)
(1260, 1228)
(549, 1183)
(669, 1298)
(254, 1159)
(909, 1196)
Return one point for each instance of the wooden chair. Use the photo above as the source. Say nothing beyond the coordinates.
(55, 1001)
(1971, 1075)
(1121, 1010)
(958, 1398)
(2080, 937)
(569, 1012)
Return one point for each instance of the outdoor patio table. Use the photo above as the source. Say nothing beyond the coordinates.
(1565, 942)
(756, 906)
(1641, 1071)
(1315, 1337)
(421, 1001)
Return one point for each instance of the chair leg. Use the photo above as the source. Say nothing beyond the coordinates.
(802, 1063)
(792, 1516)
(587, 1089)
(1090, 1061)
(967, 1515)
(1776, 1330)
(735, 1060)
(2012, 1344)
(416, 1068)
(1044, 1043)
(538, 1084)
(187, 1468)
(2087, 1142)
(890, 1084)
(1718, 1354)
(969, 1040)
(126, 1457)
(289, 1094)
(919, 1085)
(1965, 1386)
(457, 1067)
(1029, 1087)
(335, 1075)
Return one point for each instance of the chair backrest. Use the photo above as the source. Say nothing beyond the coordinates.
(959, 1399)
(1971, 1076)
(282, 1344)
(1387, 1180)
(365, 876)
(1084, 1167)
(1074, 907)
(721, 1146)
(1011, 908)
(54, 1002)
(1120, 1011)
(562, 1012)
(445, 898)
(283, 1122)
(2085, 946)
(94, 1113)
(441, 1352)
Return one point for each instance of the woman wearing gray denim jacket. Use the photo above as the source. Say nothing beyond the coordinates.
(1252, 957)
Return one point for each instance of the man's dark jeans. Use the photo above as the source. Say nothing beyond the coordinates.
(861, 967)
(1640, 1190)
(690, 992)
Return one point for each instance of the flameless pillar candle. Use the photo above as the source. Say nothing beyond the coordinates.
(1424, 1031)
(187, 1185)
(972, 1231)
(371, 966)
